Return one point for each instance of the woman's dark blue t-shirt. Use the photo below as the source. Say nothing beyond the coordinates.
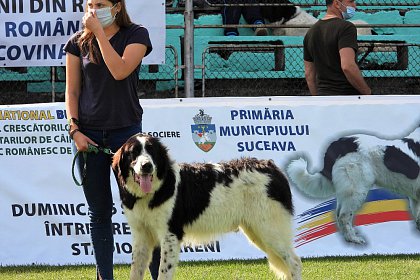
(104, 102)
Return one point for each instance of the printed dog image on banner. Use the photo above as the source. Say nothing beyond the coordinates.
(353, 165)
(167, 203)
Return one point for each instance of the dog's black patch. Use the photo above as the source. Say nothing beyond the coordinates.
(278, 189)
(165, 192)
(197, 182)
(127, 198)
(336, 150)
(412, 145)
(397, 161)
(193, 197)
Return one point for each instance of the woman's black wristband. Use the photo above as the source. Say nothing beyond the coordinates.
(74, 120)
(72, 132)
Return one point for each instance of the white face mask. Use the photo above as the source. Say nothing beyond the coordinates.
(104, 16)
(349, 13)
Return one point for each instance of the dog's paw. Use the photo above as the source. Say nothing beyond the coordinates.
(354, 237)
(358, 240)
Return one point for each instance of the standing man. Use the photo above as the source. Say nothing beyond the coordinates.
(329, 52)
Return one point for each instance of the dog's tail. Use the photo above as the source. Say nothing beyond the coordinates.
(315, 185)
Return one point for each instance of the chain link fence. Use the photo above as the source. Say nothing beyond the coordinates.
(255, 70)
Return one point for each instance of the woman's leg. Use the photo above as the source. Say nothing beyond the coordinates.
(97, 190)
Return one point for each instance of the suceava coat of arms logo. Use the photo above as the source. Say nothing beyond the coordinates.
(203, 131)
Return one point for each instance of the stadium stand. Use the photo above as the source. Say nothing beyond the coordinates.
(273, 66)
(247, 65)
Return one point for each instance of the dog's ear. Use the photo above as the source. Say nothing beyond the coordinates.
(161, 157)
(117, 160)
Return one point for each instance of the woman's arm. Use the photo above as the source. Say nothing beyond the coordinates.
(73, 89)
(119, 66)
(73, 85)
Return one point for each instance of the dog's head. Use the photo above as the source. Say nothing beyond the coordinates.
(140, 164)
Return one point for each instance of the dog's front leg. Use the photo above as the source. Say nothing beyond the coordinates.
(142, 254)
(170, 247)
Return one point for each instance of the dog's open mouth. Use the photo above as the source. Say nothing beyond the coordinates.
(144, 181)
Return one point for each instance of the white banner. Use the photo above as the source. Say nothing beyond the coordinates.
(42, 209)
(33, 32)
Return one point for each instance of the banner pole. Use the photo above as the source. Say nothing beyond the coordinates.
(189, 48)
(53, 69)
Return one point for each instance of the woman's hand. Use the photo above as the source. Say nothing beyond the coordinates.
(91, 22)
(81, 141)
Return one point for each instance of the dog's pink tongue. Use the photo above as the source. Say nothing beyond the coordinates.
(146, 183)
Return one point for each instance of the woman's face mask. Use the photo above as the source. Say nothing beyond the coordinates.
(349, 13)
(104, 16)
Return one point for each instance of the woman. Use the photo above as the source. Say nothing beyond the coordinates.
(102, 67)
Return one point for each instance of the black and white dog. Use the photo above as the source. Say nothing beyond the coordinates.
(353, 164)
(168, 203)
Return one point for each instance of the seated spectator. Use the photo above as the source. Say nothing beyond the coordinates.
(251, 14)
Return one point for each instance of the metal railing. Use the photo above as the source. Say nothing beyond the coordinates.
(249, 70)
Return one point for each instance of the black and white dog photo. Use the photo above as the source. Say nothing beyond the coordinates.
(167, 203)
(353, 165)
(287, 17)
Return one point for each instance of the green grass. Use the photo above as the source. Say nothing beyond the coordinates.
(345, 268)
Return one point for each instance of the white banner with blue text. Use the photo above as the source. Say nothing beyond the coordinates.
(33, 32)
(42, 209)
